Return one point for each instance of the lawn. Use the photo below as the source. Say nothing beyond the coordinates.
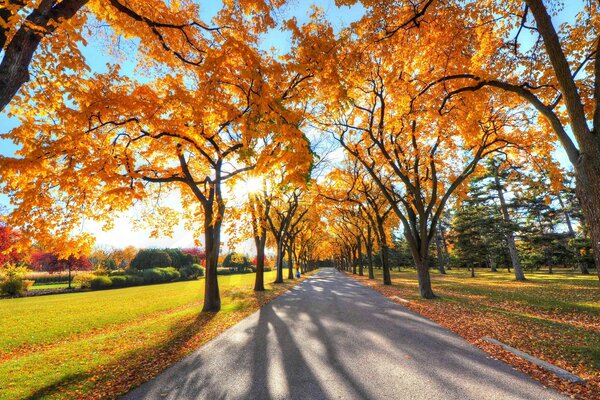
(100, 344)
(47, 286)
(554, 317)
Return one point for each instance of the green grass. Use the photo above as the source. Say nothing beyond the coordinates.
(47, 286)
(60, 346)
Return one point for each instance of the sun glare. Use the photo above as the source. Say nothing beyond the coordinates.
(248, 186)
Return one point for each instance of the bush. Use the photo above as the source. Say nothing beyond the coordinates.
(12, 287)
(151, 258)
(193, 271)
(153, 275)
(134, 280)
(43, 278)
(117, 272)
(171, 274)
(11, 279)
(118, 281)
(100, 282)
(27, 284)
(84, 281)
(237, 261)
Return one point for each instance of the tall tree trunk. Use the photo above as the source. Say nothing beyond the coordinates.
(441, 262)
(212, 237)
(387, 277)
(492, 263)
(370, 252)
(354, 261)
(360, 256)
(586, 160)
(259, 281)
(424, 278)
(588, 192)
(290, 260)
(445, 247)
(510, 237)
(279, 278)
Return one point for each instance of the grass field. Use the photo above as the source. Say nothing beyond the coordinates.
(554, 317)
(52, 286)
(100, 344)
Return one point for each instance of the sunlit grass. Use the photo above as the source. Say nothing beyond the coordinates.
(63, 346)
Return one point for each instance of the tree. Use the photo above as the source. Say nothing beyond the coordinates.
(237, 262)
(560, 80)
(52, 263)
(44, 36)
(417, 158)
(133, 141)
(8, 238)
(151, 258)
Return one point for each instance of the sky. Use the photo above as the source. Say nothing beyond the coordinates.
(123, 234)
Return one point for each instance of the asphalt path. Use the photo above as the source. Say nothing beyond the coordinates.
(332, 338)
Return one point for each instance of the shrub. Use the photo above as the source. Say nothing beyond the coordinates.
(193, 271)
(171, 274)
(119, 281)
(117, 272)
(100, 282)
(43, 278)
(237, 261)
(151, 258)
(134, 280)
(12, 287)
(100, 271)
(179, 259)
(11, 279)
(27, 284)
(154, 275)
(84, 281)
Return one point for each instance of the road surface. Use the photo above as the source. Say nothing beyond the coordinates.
(333, 338)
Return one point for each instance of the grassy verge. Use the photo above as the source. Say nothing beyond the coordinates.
(47, 286)
(101, 344)
(553, 317)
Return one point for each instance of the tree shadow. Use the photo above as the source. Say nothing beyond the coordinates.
(111, 380)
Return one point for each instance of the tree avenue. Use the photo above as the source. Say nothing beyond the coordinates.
(420, 103)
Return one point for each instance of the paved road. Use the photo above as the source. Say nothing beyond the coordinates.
(333, 338)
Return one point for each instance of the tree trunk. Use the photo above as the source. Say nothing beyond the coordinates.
(387, 278)
(383, 245)
(14, 68)
(588, 192)
(445, 247)
(440, 254)
(212, 237)
(290, 260)
(583, 268)
(354, 261)
(279, 278)
(424, 279)
(510, 237)
(360, 256)
(492, 264)
(370, 252)
(259, 282)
